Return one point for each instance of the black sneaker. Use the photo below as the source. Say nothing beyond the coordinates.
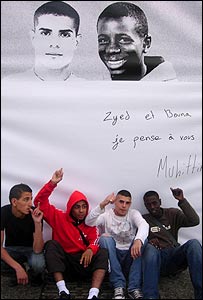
(94, 297)
(135, 294)
(64, 295)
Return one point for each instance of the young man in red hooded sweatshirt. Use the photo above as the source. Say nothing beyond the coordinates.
(74, 248)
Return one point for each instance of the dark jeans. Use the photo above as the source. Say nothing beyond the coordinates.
(168, 261)
(58, 260)
(25, 254)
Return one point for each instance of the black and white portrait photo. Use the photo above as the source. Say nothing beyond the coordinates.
(101, 40)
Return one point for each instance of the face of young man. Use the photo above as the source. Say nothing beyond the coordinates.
(55, 41)
(120, 47)
(121, 205)
(152, 204)
(79, 210)
(22, 206)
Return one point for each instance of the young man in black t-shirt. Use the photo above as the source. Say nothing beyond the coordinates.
(21, 235)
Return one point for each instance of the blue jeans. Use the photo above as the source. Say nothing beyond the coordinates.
(23, 254)
(122, 266)
(168, 261)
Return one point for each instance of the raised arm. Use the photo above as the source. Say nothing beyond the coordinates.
(43, 196)
(93, 218)
(57, 176)
(38, 241)
(189, 217)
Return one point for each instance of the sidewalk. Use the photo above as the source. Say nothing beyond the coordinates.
(175, 288)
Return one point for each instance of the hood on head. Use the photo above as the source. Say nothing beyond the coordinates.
(73, 199)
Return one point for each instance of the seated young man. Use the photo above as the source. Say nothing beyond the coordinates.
(123, 232)
(21, 236)
(163, 254)
(74, 249)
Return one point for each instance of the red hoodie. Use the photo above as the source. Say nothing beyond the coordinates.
(63, 229)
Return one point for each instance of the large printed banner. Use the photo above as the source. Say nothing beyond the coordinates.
(106, 136)
(110, 92)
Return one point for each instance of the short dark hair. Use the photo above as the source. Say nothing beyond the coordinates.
(58, 8)
(124, 193)
(17, 190)
(149, 194)
(127, 9)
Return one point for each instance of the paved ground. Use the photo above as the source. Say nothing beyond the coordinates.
(176, 288)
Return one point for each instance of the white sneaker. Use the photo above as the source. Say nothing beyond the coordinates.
(119, 293)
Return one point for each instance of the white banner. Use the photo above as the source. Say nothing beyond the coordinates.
(107, 136)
